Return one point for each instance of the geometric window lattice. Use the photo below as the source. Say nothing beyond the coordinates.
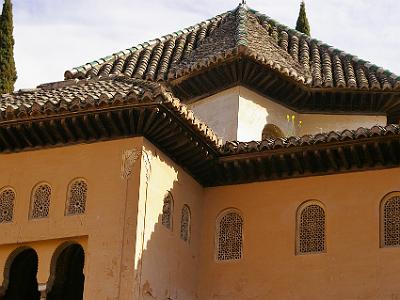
(311, 229)
(76, 201)
(391, 222)
(185, 223)
(40, 202)
(230, 237)
(7, 199)
(167, 211)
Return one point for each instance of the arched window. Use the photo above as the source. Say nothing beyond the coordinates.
(311, 228)
(229, 236)
(167, 211)
(76, 197)
(185, 223)
(272, 131)
(390, 220)
(7, 199)
(40, 202)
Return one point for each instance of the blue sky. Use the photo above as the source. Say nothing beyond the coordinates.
(52, 36)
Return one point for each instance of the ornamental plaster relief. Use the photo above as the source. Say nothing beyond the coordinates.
(129, 158)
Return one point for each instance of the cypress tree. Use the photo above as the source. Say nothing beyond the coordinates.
(8, 73)
(302, 24)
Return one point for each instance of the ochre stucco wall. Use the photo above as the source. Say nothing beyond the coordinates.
(354, 267)
(131, 255)
(111, 203)
(166, 265)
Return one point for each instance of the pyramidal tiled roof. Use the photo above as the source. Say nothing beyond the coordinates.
(242, 31)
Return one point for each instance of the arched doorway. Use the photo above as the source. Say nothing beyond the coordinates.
(67, 278)
(20, 276)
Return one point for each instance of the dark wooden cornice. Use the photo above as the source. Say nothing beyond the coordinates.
(120, 108)
(323, 154)
(378, 148)
(284, 90)
(155, 121)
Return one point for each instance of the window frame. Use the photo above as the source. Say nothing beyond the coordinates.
(189, 227)
(2, 190)
(299, 211)
(220, 216)
(32, 204)
(171, 214)
(383, 201)
(67, 200)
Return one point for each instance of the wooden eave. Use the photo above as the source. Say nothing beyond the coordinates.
(284, 90)
(172, 129)
(155, 120)
(373, 153)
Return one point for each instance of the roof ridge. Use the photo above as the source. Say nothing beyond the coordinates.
(331, 49)
(241, 28)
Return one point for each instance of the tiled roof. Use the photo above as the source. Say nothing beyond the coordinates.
(151, 60)
(95, 94)
(91, 94)
(243, 31)
(235, 147)
(63, 95)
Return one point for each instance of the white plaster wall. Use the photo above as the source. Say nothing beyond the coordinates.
(316, 123)
(220, 112)
(241, 114)
(255, 111)
(251, 104)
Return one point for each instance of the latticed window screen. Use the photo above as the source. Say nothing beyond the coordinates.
(230, 237)
(185, 223)
(167, 211)
(40, 202)
(391, 222)
(311, 229)
(76, 199)
(7, 199)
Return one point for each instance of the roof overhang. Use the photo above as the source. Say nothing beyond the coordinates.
(167, 123)
(247, 71)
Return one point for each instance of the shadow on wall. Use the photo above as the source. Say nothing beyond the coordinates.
(167, 262)
(66, 280)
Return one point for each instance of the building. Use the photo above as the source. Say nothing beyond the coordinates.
(165, 172)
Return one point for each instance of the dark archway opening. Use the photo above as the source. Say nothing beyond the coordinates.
(20, 276)
(68, 274)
